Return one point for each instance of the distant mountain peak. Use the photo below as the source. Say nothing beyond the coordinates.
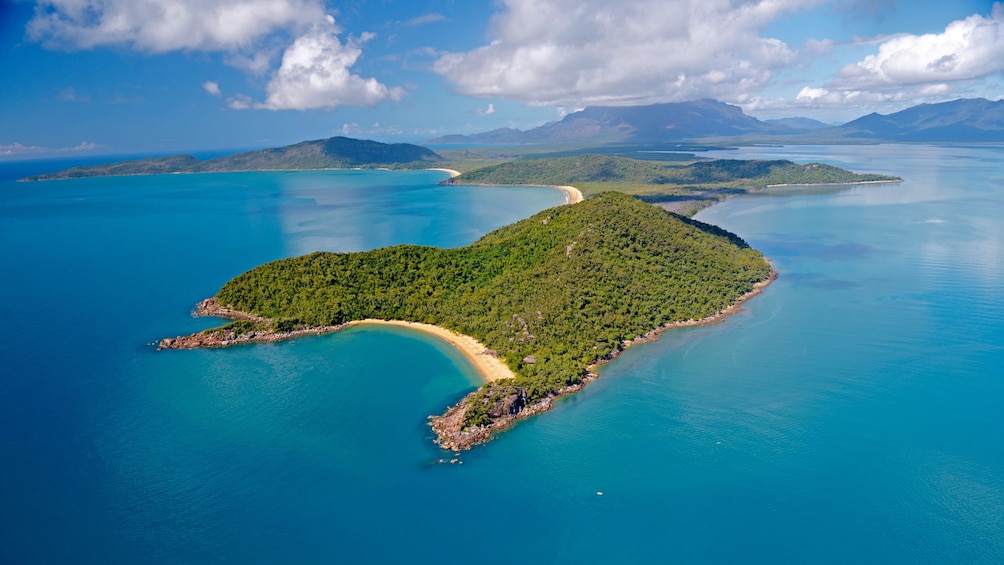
(962, 120)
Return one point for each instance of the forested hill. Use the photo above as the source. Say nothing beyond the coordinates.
(722, 173)
(550, 294)
(331, 153)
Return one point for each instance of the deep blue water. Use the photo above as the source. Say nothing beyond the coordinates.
(850, 413)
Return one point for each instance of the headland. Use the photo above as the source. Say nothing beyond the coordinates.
(545, 298)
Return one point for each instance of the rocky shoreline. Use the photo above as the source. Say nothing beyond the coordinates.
(508, 401)
(217, 338)
(511, 405)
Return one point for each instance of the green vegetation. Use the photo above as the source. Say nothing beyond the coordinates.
(332, 153)
(551, 294)
(655, 181)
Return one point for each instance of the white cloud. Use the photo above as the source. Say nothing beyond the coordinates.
(240, 102)
(211, 87)
(575, 52)
(16, 149)
(315, 74)
(429, 18)
(159, 26)
(971, 48)
(487, 111)
(819, 46)
(257, 63)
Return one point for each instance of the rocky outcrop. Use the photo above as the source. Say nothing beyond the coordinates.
(508, 406)
(262, 331)
(506, 402)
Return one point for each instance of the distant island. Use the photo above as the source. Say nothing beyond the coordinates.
(680, 188)
(331, 153)
(545, 298)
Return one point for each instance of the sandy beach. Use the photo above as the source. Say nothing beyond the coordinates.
(490, 368)
(572, 194)
(450, 171)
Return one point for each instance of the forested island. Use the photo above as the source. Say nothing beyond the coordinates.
(698, 183)
(549, 296)
(331, 153)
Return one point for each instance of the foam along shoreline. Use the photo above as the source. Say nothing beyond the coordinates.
(489, 367)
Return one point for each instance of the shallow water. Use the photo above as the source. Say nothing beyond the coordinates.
(849, 413)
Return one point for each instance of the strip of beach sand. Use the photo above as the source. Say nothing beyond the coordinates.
(572, 194)
(488, 366)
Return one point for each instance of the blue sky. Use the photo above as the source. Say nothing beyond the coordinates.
(130, 76)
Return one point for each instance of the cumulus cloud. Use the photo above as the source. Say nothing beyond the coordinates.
(486, 111)
(314, 71)
(971, 48)
(16, 149)
(315, 74)
(159, 26)
(211, 87)
(575, 52)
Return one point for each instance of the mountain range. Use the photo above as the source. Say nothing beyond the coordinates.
(963, 120)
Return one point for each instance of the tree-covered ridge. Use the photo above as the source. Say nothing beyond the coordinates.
(591, 173)
(550, 295)
(331, 153)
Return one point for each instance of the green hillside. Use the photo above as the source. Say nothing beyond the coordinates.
(551, 294)
(653, 180)
(332, 153)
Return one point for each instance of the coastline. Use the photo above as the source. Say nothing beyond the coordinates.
(451, 172)
(717, 317)
(572, 195)
(449, 427)
(479, 416)
(852, 183)
(488, 367)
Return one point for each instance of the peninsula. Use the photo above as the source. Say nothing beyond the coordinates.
(680, 187)
(331, 153)
(548, 297)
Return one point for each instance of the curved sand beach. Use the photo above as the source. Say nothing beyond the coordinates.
(572, 194)
(451, 172)
(489, 367)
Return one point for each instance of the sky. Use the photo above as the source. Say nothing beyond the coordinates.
(159, 76)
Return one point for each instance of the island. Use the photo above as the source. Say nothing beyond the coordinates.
(548, 297)
(331, 153)
(680, 187)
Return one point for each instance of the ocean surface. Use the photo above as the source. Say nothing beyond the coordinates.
(851, 413)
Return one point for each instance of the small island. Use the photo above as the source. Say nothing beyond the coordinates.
(679, 187)
(548, 298)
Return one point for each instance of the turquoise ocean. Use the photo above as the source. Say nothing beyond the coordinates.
(853, 412)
